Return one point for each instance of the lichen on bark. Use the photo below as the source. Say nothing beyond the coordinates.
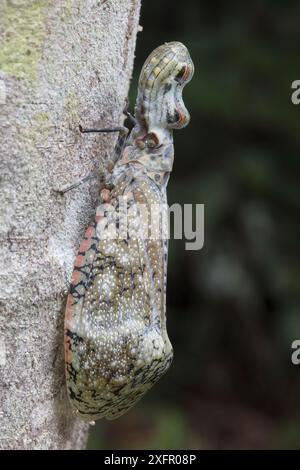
(61, 63)
(23, 26)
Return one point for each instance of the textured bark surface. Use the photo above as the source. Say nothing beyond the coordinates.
(62, 63)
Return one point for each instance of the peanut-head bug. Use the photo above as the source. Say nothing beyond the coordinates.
(116, 342)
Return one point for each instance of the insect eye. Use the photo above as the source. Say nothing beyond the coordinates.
(151, 143)
(151, 140)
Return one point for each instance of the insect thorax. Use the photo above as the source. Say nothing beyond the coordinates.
(139, 158)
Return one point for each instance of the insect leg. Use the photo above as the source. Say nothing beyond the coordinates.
(110, 163)
(129, 116)
(121, 129)
(78, 183)
(120, 142)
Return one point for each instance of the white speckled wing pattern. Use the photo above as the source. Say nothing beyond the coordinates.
(116, 342)
(117, 338)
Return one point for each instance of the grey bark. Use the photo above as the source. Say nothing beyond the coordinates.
(62, 63)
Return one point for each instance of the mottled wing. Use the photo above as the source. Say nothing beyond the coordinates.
(116, 341)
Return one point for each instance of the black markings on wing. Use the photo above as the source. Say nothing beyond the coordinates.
(125, 396)
(74, 337)
(77, 290)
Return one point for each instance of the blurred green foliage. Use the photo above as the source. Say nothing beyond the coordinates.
(233, 307)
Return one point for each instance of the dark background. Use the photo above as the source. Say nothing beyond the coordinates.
(233, 307)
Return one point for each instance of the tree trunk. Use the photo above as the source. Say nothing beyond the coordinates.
(62, 63)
